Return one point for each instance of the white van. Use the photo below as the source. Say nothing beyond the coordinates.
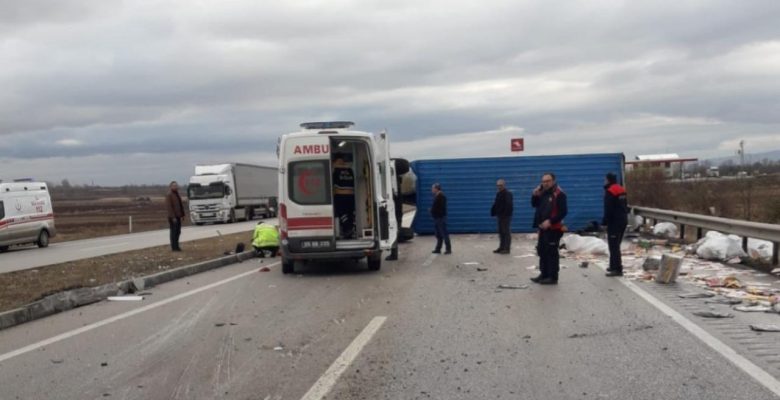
(26, 214)
(336, 195)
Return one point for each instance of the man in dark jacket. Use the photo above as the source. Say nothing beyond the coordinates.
(616, 220)
(502, 210)
(175, 209)
(439, 214)
(551, 208)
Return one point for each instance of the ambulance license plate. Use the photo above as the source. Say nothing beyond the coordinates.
(315, 244)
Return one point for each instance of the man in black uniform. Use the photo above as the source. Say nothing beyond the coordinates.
(344, 196)
(616, 220)
(439, 214)
(551, 208)
(502, 210)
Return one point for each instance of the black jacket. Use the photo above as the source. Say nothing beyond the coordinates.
(615, 206)
(439, 208)
(550, 200)
(502, 206)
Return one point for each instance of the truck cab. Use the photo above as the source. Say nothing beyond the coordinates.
(230, 192)
(210, 194)
(336, 191)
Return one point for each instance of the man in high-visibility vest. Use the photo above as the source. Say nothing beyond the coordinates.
(265, 239)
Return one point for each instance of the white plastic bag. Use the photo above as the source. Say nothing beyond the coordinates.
(717, 246)
(585, 245)
(665, 229)
(760, 249)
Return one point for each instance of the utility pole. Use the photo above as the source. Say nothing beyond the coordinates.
(741, 153)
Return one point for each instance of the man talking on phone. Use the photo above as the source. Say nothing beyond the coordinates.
(550, 203)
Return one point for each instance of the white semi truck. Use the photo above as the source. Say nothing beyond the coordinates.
(231, 192)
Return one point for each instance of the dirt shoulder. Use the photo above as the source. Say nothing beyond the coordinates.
(26, 286)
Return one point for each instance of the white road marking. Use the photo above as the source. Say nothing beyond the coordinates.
(754, 371)
(430, 259)
(328, 380)
(93, 326)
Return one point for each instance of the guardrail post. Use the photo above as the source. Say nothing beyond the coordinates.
(775, 249)
(699, 233)
(682, 231)
(130, 223)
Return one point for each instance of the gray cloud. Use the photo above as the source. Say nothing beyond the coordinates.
(89, 79)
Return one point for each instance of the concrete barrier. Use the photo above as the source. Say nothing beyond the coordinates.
(71, 299)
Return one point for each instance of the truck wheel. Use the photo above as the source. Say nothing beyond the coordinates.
(43, 239)
(199, 223)
(375, 262)
(3, 249)
(232, 217)
(288, 266)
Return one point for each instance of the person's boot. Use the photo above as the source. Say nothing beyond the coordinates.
(436, 251)
(498, 250)
(614, 272)
(503, 251)
(536, 279)
(547, 281)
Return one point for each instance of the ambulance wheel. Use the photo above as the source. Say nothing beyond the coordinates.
(43, 239)
(3, 249)
(199, 223)
(375, 262)
(288, 266)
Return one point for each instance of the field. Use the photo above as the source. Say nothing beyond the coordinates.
(26, 286)
(83, 219)
(82, 213)
(752, 199)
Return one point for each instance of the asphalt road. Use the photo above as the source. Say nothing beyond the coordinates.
(19, 258)
(424, 327)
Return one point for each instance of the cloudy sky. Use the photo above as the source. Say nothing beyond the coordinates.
(120, 92)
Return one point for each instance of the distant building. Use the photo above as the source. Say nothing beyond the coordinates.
(671, 164)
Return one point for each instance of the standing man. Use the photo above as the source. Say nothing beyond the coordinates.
(502, 210)
(344, 196)
(175, 214)
(439, 214)
(550, 203)
(616, 220)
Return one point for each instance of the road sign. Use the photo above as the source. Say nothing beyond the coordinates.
(518, 144)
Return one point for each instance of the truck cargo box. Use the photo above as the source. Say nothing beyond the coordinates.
(470, 187)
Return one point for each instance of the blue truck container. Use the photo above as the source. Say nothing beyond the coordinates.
(470, 187)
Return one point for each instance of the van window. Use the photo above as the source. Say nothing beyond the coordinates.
(309, 182)
(2, 210)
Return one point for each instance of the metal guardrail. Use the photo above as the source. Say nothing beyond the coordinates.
(745, 229)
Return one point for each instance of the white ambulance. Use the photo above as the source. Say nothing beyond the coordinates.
(26, 214)
(336, 195)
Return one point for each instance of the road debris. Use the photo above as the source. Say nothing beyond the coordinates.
(219, 324)
(265, 269)
(125, 298)
(713, 314)
(585, 245)
(471, 263)
(756, 308)
(584, 264)
(697, 295)
(278, 348)
(57, 361)
(665, 229)
(652, 263)
(717, 246)
(725, 301)
(513, 286)
(765, 327)
(670, 268)
(481, 269)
